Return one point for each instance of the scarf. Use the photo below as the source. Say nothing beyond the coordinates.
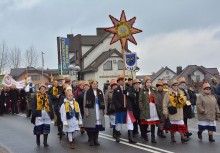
(91, 100)
(177, 101)
(55, 91)
(43, 102)
(69, 112)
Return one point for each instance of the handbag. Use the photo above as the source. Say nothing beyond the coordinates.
(172, 110)
(167, 124)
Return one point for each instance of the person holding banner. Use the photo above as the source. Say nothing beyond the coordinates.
(123, 114)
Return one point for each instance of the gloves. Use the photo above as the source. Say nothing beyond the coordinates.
(125, 92)
(65, 123)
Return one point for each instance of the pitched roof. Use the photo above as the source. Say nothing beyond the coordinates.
(19, 71)
(208, 72)
(90, 40)
(100, 59)
(99, 42)
(158, 73)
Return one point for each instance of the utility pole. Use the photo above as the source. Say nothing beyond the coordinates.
(42, 77)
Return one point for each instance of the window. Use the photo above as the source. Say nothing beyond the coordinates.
(120, 65)
(107, 66)
(197, 78)
(35, 77)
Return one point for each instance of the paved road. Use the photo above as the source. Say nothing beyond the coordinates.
(17, 137)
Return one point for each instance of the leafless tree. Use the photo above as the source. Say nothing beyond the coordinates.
(15, 57)
(3, 56)
(31, 57)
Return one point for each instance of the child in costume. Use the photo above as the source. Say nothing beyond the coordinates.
(70, 116)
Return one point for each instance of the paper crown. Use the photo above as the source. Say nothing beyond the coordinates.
(181, 80)
(172, 82)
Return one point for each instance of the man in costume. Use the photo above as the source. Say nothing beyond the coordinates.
(123, 114)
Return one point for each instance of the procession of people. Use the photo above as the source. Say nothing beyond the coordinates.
(80, 106)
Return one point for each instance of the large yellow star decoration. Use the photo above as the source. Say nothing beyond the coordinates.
(123, 30)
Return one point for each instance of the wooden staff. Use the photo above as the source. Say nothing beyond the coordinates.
(123, 53)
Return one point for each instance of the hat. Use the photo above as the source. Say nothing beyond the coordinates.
(206, 85)
(59, 77)
(130, 79)
(67, 80)
(147, 78)
(181, 80)
(136, 81)
(213, 78)
(86, 82)
(174, 81)
(120, 77)
(159, 83)
(93, 80)
(165, 82)
(68, 90)
(80, 83)
(42, 85)
(113, 82)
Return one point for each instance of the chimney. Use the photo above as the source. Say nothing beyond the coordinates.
(100, 31)
(178, 70)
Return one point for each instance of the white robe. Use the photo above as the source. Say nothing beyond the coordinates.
(73, 123)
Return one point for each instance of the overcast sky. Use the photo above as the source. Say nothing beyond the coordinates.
(175, 32)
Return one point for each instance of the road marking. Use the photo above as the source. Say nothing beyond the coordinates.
(22, 115)
(140, 144)
(128, 144)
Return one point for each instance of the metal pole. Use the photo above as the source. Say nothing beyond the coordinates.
(123, 53)
(42, 66)
(61, 64)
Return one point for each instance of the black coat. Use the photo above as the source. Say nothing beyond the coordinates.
(187, 110)
(13, 95)
(192, 97)
(135, 103)
(118, 99)
(36, 113)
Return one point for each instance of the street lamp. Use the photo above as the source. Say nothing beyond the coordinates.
(73, 72)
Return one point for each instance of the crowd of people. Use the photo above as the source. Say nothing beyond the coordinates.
(81, 106)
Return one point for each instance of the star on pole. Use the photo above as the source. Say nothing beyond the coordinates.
(123, 30)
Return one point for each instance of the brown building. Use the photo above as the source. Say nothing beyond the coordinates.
(18, 74)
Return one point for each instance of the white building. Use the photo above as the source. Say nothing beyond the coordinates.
(96, 57)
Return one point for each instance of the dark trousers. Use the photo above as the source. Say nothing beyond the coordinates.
(135, 124)
(59, 122)
(14, 107)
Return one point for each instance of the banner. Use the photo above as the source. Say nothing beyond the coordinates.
(64, 52)
(131, 61)
(9, 81)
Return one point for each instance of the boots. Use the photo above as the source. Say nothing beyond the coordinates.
(143, 129)
(130, 138)
(72, 145)
(92, 137)
(117, 138)
(45, 140)
(114, 133)
(183, 140)
(89, 136)
(96, 135)
(173, 138)
(160, 133)
(211, 138)
(188, 134)
(38, 140)
(199, 135)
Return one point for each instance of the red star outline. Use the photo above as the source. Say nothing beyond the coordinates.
(132, 31)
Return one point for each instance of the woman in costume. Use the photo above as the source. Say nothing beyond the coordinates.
(148, 109)
(208, 111)
(175, 101)
(42, 114)
(94, 107)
